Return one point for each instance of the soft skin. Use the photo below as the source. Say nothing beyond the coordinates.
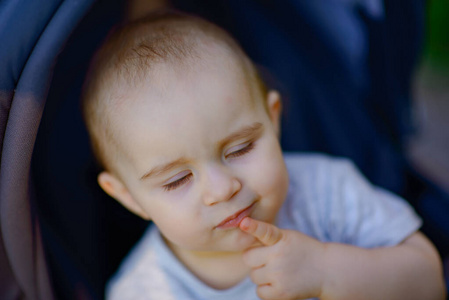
(291, 265)
(224, 137)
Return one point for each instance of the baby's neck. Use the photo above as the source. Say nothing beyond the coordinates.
(219, 270)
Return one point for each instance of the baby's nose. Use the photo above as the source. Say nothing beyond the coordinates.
(221, 185)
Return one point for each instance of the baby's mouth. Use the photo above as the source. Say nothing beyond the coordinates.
(233, 221)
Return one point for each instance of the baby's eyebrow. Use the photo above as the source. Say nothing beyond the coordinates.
(164, 168)
(242, 133)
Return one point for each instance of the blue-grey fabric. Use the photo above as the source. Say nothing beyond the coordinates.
(32, 33)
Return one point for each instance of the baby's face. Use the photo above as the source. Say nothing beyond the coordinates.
(200, 154)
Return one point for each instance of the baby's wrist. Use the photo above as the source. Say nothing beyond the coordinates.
(329, 269)
(322, 270)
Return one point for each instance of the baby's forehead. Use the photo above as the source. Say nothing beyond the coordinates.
(183, 118)
(166, 76)
(211, 81)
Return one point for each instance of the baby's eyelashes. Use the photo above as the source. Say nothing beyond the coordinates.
(240, 150)
(178, 180)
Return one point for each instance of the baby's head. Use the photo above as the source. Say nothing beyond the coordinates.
(185, 131)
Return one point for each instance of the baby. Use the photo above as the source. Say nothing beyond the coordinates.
(187, 134)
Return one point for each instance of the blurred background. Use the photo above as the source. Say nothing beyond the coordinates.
(429, 147)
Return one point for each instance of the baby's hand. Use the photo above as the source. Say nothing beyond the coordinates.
(287, 266)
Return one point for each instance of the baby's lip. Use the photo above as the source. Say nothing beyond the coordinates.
(234, 220)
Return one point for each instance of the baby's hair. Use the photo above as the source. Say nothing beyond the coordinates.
(131, 53)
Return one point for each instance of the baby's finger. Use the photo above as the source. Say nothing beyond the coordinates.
(266, 233)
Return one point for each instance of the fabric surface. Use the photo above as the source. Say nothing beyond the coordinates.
(328, 199)
(31, 33)
(86, 233)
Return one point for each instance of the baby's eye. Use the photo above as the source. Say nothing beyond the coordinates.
(177, 183)
(240, 150)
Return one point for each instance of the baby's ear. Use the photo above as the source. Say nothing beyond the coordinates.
(274, 105)
(117, 190)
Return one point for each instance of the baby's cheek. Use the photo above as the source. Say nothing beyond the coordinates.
(275, 180)
(272, 166)
(277, 185)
